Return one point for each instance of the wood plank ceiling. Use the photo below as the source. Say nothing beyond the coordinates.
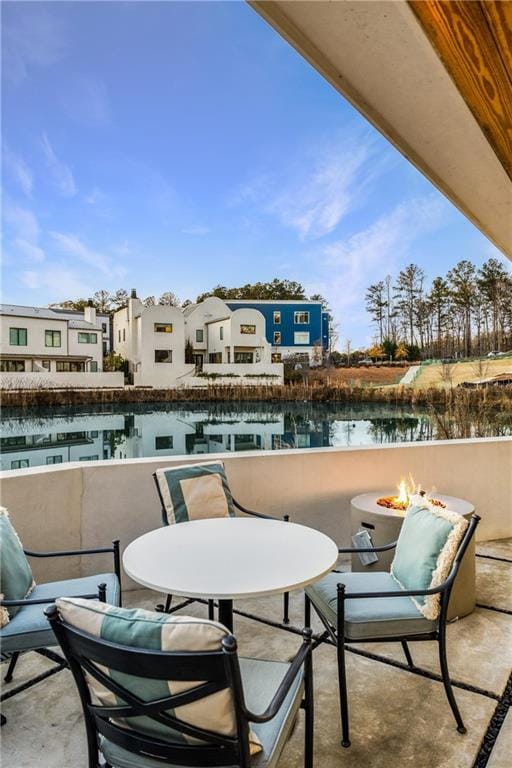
(473, 39)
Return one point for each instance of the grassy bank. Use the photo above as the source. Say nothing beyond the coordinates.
(498, 397)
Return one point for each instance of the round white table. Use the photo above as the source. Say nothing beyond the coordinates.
(229, 559)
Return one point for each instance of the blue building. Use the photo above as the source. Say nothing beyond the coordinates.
(292, 327)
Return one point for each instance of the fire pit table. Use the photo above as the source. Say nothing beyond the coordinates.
(383, 524)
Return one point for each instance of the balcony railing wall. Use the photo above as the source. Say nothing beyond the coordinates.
(87, 505)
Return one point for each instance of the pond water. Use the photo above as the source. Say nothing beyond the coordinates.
(37, 437)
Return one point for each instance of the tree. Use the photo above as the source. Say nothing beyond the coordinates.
(119, 299)
(73, 304)
(376, 305)
(439, 300)
(169, 299)
(376, 352)
(149, 301)
(102, 301)
(492, 282)
(401, 351)
(463, 292)
(280, 290)
(408, 289)
(113, 362)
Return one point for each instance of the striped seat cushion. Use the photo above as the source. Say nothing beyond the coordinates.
(138, 628)
(195, 492)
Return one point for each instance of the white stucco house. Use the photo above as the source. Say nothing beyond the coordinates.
(171, 347)
(42, 347)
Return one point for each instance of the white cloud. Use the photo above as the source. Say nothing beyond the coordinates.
(22, 221)
(73, 246)
(350, 265)
(318, 187)
(196, 229)
(315, 204)
(30, 251)
(60, 172)
(32, 38)
(94, 197)
(19, 171)
(58, 281)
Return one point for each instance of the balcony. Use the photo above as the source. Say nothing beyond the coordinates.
(399, 717)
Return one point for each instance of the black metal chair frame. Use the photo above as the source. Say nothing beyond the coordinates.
(213, 671)
(335, 633)
(60, 662)
(168, 601)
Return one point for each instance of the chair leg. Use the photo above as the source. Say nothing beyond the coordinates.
(12, 663)
(342, 678)
(307, 611)
(407, 653)
(446, 682)
(164, 609)
(309, 714)
(211, 610)
(286, 608)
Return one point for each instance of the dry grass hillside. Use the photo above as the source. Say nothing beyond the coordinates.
(436, 375)
(359, 375)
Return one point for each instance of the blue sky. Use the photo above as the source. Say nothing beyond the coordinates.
(175, 146)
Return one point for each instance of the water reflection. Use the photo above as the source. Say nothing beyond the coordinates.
(39, 437)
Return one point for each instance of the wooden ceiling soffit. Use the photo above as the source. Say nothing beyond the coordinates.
(474, 41)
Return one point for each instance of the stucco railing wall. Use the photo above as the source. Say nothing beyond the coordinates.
(88, 505)
(35, 380)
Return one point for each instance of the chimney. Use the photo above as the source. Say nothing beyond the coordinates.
(133, 294)
(90, 312)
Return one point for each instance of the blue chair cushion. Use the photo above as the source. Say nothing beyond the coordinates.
(29, 629)
(261, 680)
(369, 617)
(16, 580)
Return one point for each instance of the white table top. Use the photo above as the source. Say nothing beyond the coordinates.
(230, 558)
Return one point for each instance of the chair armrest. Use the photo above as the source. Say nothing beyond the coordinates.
(100, 594)
(384, 548)
(251, 512)
(284, 688)
(114, 549)
(402, 593)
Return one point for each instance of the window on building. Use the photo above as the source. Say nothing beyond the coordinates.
(18, 337)
(69, 366)
(12, 366)
(124, 334)
(215, 357)
(89, 458)
(119, 335)
(94, 366)
(199, 335)
(163, 355)
(87, 338)
(104, 327)
(276, 357)
(19, 463)
(301, 337)
(244, 357)
(277, 337)
(45, 364)
(163, 442)
(249, 329)
(54, 459)
(221, 332)
(13, 442)
(277, 318)
(163, 327)
(52, 339)
(301, 318)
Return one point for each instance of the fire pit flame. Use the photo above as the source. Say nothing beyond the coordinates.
(406, 489)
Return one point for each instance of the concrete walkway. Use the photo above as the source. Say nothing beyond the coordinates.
(399, 718)
(410, 375)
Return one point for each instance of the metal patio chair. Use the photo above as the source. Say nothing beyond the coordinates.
(145, 707)
(215, 495)
(375, 608)
(28, 629)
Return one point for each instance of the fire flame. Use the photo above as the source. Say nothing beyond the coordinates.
(407, 487)
(403, 492)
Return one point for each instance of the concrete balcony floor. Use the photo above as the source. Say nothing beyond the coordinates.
(398, 718)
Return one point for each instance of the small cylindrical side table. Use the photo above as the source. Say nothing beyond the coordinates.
(384, 526)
